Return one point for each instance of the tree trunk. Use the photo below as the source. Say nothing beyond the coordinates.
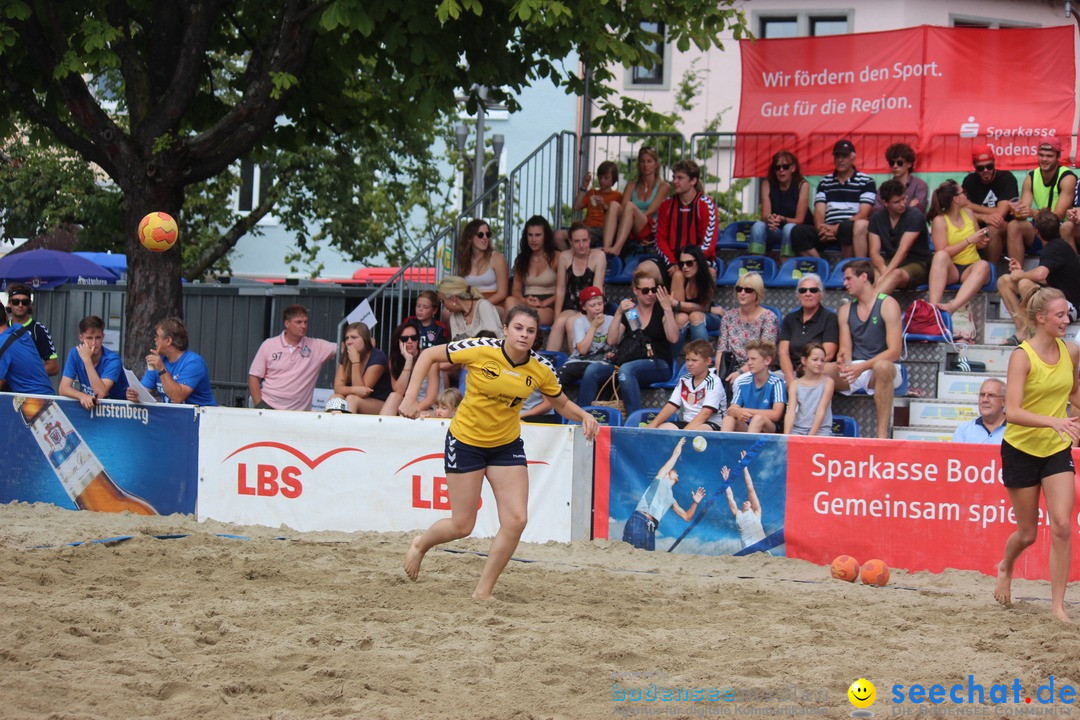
(153, 285)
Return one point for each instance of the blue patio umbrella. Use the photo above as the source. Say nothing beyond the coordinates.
(46, 269)
(116, 262)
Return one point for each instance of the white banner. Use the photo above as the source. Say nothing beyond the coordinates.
(316, 471)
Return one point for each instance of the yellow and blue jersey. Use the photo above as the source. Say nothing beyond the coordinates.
(495, 387)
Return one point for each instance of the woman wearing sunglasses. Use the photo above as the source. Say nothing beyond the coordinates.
(785, 199)
(657, 322)
(749, 321)
(901, 161)
(694, 295)
(811, 322)
(482, 267)
(405, 342)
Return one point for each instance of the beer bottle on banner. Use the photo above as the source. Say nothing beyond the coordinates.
(78, 469)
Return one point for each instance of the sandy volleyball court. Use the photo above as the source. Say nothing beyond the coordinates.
(325, 625)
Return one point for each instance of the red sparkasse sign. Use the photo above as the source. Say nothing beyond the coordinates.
(941, 90)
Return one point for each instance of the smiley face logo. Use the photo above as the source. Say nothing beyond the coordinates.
(862, 693)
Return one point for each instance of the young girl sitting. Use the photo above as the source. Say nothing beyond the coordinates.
(809, 410)
(445, 406)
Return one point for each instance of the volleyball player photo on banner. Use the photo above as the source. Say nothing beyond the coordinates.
(695, 493)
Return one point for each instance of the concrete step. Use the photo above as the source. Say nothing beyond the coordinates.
(924, 413)
(923, 434)
(996, 357)
(996, 332)
(962, 386)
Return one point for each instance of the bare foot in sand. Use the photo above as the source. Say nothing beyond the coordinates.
(1061, 615)
(413, 558)
(1003, 588)
(482, 597)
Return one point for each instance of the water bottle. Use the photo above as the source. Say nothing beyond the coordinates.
(633, 319)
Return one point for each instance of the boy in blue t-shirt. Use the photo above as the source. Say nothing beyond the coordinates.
(758, 397)
(98, 369)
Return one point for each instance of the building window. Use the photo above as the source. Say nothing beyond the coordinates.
(803, 24)
(254, 184)
(970, 21)
(655, 76)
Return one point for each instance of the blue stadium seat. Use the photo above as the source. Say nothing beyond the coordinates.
(729, 238)
(626, 275)
(776, 312)
(764, 266)
(670, 383)
(793, 269)
(845, 426)
(641, 417)
(558, 359)
(604, 415)
(836, 279)
(614, 268)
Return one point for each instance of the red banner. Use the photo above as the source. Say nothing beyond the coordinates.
(920, 506)
(941, 90)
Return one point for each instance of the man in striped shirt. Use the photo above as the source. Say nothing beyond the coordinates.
(842, 207)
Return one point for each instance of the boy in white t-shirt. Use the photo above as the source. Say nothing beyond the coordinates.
(698, 397)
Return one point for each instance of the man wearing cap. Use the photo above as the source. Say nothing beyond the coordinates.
(841, 208)
(21, 306)
(988, 192)
(1048, 187)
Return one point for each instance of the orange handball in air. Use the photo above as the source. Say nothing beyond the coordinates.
(845, 567)
(875, 572)
(158, 231)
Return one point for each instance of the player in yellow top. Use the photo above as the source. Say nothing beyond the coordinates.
(485, 437)
(1037, 449)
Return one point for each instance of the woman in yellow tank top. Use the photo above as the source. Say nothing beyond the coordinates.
(484, 438)
(1037, 450)
(957, 241)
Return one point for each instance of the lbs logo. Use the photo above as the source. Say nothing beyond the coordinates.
(268, 479)
(429, 491)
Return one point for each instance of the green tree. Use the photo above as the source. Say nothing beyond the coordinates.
(198, 84)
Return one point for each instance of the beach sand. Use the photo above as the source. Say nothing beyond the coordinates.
(325, 625)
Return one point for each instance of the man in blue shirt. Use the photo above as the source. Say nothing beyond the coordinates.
(98, 369)
(176, 373)
(21, 369)
(989, 427)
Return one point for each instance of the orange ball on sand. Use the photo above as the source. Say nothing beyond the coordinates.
(875, 572)
(845, 567)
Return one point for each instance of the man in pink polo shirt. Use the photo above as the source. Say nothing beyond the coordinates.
(284, 371)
